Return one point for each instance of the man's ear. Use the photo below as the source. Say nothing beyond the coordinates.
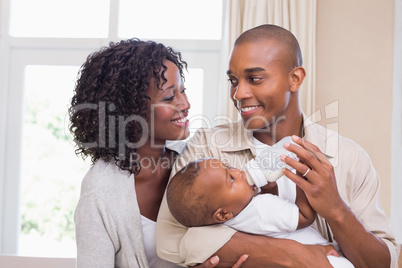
(221, 215)
(296, 78)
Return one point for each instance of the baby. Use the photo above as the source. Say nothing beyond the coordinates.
(208, 192)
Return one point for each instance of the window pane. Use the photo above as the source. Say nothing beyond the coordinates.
(59, 18)
(173, 19)
(51, 172)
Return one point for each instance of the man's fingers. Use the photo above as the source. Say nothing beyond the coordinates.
(311, 148)
(305, 156)
(299, 181)
(300, 167)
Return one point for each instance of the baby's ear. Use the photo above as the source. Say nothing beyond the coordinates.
(221, 215)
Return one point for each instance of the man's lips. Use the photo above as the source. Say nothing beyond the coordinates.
(248, 109)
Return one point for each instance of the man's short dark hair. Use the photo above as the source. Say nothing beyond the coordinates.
(273, 32)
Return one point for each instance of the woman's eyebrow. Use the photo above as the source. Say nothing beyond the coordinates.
(169, 87)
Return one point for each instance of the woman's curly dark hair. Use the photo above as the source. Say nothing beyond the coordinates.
(111, 87)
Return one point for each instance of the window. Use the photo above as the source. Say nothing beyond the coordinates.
(57, 19)
(42, 45)
(47, 222)
(188, 22)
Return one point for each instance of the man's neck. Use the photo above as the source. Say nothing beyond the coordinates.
(279, 130)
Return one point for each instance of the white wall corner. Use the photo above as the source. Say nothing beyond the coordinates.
(396, 167)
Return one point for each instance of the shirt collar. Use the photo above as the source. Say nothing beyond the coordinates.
(177, 146)
(242, 138)
(322, 137)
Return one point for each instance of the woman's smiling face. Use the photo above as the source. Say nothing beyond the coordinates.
(168, 107)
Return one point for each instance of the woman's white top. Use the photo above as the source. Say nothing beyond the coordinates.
(148, 231)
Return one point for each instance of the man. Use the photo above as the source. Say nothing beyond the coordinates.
(265, 72)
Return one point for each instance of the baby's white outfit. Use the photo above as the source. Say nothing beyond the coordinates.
(273, 216)
(278, 216)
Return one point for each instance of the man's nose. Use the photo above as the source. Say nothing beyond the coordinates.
(242, 91)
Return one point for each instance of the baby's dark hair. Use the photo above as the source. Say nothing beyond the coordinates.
(188, 208)
(111, 89)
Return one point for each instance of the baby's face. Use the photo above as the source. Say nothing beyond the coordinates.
(227, 186)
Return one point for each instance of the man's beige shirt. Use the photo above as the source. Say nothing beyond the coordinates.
(357, 181)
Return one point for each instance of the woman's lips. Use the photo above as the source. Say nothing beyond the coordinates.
(181, 122)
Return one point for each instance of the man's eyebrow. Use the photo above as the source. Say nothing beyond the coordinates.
(249, 70)
(255, 69)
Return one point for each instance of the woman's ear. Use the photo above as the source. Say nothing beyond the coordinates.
(221, 215)
(296, 78)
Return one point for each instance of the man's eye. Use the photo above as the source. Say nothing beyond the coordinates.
(231, 179)
(255, 79)
(232, 81)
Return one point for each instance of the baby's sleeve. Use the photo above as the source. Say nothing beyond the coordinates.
(267, 214)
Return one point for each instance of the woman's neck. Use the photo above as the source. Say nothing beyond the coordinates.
(150, 183)
(151, 151)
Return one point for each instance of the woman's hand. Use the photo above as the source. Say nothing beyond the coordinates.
(214, 261)
(319, 184)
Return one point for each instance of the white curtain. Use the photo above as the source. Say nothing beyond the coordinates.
(298, 16)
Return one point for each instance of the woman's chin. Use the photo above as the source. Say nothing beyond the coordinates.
(182, 135)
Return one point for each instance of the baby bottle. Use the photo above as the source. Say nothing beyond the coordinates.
(266, 166)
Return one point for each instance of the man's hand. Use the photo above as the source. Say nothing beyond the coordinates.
(270, 188)
(265, 251)
(319, 184)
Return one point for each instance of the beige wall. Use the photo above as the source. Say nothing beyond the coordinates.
(354, 67)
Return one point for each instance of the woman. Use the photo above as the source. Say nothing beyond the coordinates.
(128, 101)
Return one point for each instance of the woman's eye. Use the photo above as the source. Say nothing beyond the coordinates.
(170, 98)
(231, 179)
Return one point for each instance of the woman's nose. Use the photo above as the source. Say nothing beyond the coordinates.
(183, 103)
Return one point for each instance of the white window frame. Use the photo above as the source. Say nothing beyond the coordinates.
(15, 53)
